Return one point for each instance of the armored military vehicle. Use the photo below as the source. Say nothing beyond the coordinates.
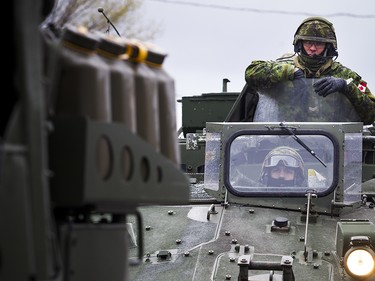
(241, 225)
(84, 196)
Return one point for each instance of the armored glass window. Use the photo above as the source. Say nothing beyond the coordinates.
(275, 104)
(261, 164)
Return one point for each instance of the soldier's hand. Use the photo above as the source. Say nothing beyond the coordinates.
(299, 80)
(298, 74)
(328, 85)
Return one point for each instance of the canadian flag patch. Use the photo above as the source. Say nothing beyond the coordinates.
(362, 87)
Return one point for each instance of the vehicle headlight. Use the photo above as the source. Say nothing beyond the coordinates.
(359, 260)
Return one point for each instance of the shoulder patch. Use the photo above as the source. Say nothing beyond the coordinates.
(362, 87)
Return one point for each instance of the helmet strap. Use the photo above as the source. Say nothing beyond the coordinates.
(298, 46)
(331, 52)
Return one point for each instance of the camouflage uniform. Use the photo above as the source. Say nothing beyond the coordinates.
(264, 74)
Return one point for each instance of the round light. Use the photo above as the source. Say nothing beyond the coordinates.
(359, 262)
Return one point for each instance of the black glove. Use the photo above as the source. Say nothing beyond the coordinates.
(299, 81)
(299, 74)
(328, 85)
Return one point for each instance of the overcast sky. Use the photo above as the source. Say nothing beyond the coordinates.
(208, 40)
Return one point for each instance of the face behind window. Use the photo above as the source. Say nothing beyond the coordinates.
(282, 172)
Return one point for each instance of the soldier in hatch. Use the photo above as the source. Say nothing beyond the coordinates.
(315, 48)
(283, 166)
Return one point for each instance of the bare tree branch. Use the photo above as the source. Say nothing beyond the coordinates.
(125, 15)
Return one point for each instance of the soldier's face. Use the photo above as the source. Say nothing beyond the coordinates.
(282, 172)
(313, 47)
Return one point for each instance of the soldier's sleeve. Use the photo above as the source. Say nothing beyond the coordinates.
(363, 101)
(262, 74)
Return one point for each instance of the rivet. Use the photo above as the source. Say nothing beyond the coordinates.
(237, 248)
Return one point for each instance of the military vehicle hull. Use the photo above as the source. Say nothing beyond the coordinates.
(73, 211)
(234, 233)
(210, 249)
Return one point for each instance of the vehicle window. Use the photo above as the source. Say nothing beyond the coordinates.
(270, 165)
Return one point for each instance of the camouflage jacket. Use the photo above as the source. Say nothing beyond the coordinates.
(263, 74)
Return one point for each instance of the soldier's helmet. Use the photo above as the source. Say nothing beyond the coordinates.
(316, 29)
(286, 156)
